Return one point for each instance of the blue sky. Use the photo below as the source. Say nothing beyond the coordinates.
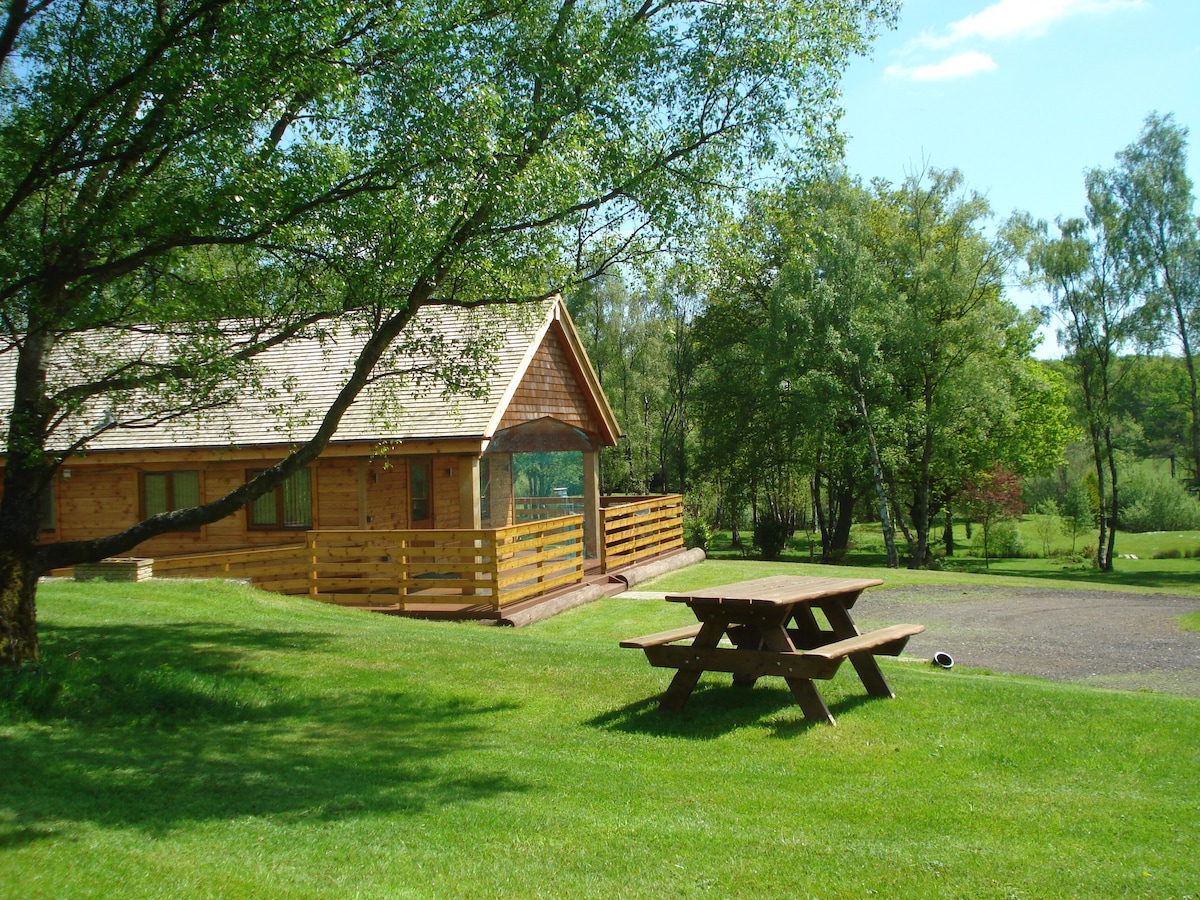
(1022, 95)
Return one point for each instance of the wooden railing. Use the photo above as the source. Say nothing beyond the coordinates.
(283, 570)
(489, 567)
(495, 566)
(461, 567)
(532, 509)
(635, 528)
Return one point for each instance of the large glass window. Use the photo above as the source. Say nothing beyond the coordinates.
(418, 489)
(165, 491)
(46, 518)
(288, 506)
(485, 489)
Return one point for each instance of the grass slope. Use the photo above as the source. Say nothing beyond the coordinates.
(206, 740)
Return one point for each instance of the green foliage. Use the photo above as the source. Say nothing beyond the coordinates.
(697, 533)
(1151, 500)
(830, 306)
(1151, 194)
(216, 178)
(771, 534)
(1048, 523)
(1002, 540)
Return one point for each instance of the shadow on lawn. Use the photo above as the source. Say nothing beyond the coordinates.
(714, 710)
(157, 726)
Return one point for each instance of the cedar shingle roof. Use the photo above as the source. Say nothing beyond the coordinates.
(300, 379)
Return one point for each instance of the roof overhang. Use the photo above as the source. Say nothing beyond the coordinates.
(544, 435)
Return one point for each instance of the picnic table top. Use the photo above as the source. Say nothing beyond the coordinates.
(777, 590)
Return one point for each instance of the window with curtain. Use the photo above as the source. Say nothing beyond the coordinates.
(288, 506)
(165, 491)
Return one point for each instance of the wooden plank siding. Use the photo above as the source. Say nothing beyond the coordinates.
(551, 388)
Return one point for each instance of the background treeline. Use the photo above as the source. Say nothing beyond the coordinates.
(845, 351)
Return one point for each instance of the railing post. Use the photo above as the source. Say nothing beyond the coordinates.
(500, 542)
(311, 547)
(402, 570)
(603, 540)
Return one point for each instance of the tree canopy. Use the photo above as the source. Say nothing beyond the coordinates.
(169, 167)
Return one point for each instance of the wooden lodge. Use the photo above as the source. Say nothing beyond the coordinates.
(414, 506)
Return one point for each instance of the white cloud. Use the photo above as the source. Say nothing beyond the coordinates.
(1022, 19)
(963, 65)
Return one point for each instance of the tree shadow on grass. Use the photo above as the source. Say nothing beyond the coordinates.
(171, 726)
(716, 709)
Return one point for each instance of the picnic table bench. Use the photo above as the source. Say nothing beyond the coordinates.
(770, 629)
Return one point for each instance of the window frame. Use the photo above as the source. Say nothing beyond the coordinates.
(426, 463)
(485, 489)
(48, 513)
(169, 475)
(279, 524)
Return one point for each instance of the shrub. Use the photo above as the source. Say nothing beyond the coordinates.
(1154, 501)
(1003, 541)
(770, 535)
(1047, 523)
(697, 533)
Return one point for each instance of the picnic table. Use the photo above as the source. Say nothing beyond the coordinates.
(768, 627)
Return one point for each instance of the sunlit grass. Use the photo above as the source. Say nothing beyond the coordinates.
(208, 740)
(1178, 575)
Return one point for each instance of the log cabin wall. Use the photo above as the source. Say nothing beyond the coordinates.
(387, 494)
(336, 500)
(97, 500)
(445, 492)
(347, 492)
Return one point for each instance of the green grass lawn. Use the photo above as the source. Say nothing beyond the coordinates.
(1145, 573)
(207, 740)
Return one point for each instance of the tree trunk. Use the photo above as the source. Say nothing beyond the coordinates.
(922, 516)
(27, 474)
(885, 519)
(1114, 506)
(844, 519)
(819, 515)
(948, 532)
(1102, 561)
(1190, 364)
(18, 609)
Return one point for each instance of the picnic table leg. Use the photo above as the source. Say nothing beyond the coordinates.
(685, 680)
(864, 663)
(746, 637)
(812, 704)
(808, 632)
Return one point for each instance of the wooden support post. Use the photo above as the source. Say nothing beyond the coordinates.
(591, 504)
(470, 515)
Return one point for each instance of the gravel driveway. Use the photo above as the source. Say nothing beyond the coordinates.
(1113, 640)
